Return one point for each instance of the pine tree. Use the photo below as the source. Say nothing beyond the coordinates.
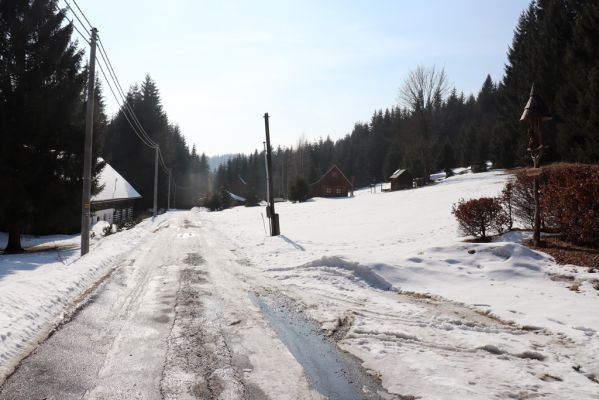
(41, 98)
(576, 104)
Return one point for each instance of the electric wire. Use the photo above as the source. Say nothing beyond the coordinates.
(123, 97)
(82, 13)
(79, 32)
(124, 113)
(76, 16)
(124, 105)
(119, 87)
(163, 164)
(168, 172)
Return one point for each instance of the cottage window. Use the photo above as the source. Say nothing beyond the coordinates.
(338, 190)
(329, 190)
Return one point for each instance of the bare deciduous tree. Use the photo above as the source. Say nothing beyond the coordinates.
(420, 91)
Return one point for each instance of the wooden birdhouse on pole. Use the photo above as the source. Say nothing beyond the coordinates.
(535, 113)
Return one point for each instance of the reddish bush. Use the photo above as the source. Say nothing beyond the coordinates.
(478, 217)
(570, 201)
(522, 199)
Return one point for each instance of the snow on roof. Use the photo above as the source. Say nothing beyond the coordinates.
(461, 170)
(438, 175)
(115, 187)
(397, 173)
(236, 197)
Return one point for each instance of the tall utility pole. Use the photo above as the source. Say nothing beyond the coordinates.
(87, 151)
(155, 209)
(270, 212)
(168, 201)
(266, 168)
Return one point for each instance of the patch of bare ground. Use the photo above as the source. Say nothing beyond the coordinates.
(487, 239)
(568, 253)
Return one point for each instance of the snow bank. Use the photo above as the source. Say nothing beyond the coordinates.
(37, 287)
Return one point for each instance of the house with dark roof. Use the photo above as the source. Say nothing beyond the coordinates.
(332, 183)
(117, 199)
(401, 179)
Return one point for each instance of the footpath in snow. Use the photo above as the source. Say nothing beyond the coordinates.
(431, 315)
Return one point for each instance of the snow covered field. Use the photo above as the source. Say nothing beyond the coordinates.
(500, 322)
(386, 274)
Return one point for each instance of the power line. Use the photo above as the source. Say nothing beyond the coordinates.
(117, 83)
(77, 16)
(163, 164)
(168, 172)
(82, 13)
(79, 32)
(123, 97)
(111, 72)
(127, 110)
(144, 137)
(153, 146)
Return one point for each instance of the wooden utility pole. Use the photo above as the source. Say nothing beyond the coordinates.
(168, 199)
(155, 209)
(270, 211)
(266, 169)
(87, 150)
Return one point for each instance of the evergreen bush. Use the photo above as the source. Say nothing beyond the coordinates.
(299, 191)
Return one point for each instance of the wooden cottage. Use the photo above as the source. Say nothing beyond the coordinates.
(116, 201)
(401, 179)
(332, 184)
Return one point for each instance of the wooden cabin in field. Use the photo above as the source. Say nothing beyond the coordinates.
(401, 179)
(332, 184)
(117, 200)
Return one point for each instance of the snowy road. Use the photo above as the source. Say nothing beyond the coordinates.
(172, 321)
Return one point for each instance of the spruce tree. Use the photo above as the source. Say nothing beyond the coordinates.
(578, 97)
(41, 88)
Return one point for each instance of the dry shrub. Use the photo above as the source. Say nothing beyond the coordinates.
(478, 217)
(522, 199)
(570, 201)
(507, 200)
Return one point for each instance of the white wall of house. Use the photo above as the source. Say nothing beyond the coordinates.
(122, 214)
(102, 215)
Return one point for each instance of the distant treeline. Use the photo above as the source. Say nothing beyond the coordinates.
(555, 46)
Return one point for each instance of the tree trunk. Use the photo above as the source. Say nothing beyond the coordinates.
(536, 238)
(14, 240)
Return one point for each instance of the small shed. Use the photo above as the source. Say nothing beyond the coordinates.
(116, 201)
(401, 179)
(332, 183)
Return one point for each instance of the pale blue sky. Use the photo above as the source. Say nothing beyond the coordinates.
(316, 67)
